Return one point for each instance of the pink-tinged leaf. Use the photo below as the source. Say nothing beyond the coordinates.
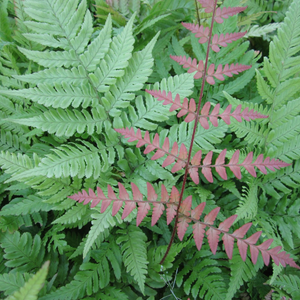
(197, 212)
(169, 160)
(233, 164)
(174, 150)
(116, 207)
(183, 152)
(226, 224)
(198, 234)
(225, 115)
(205, 109)
(158, 207)
(182, 226)
(213, 117)
(159, 153)
(210, 218)
(197, 158)
(201, 32)
(194, 174)
(129, 207)
(207, 4)
(265, 245)
(242, 249)
(219, 164)
(151, 195)
(207, 159)
(206, 171)
(149, 148)
(122, 192)
(228, 244)
(111, 193)
(276, 259)
(225, 12)
(254, 253)
(240, 233)
(204, 123)
(185, 207)
(166, 145)
(142, 212)
(213, 239)
(223, 40)
(178, 166)
(253, 238)
(247, 164)
(210, 80)
(104, 205)
(266, 257)
(172, 208)
(189, 118)
(137, 195)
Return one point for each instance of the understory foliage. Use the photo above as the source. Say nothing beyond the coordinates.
(180, 150)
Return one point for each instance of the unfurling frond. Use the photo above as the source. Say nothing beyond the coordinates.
(189, 107)
(186, 215)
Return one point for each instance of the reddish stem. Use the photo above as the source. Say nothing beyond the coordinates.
(193, 136)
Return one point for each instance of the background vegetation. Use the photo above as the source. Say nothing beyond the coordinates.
(70, 72)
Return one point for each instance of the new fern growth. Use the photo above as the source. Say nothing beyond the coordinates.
(182, 210)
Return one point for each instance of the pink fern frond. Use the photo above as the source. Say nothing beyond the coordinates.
(200, 31)
(187, 215)
(233, 165)
(171, 152)
(223, 40)
(207, 4)
(190, 64)
(220, 72)
(225, 12)
(189, 108)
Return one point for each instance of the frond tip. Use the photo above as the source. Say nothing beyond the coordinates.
(186, 215)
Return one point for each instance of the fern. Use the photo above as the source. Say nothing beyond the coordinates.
(182, 158)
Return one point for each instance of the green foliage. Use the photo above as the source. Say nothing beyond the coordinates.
(71, 72)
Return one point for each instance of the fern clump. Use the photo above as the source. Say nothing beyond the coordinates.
(178, 138)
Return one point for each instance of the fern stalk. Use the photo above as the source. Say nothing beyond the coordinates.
(194, 132)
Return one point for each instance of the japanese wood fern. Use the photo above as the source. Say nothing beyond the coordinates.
(134, 116)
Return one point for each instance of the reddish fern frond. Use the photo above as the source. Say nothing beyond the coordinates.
(203, 33)
(189, 107)
(172, 152)
(223, 40)
(200, 31)
(187, 215)
(233, 165)
(225, 12)
(228, 71)
(199, 68)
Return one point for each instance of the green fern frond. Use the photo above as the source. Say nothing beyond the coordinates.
(60, 95)
(24, 206)
(67, 122)
(115, 61)
(32, 287)
(12, 281)
(74, 160)
(21, 251)
(100, 222)
(289, 283)
(133, 244)
(241, 271)
(248, 203)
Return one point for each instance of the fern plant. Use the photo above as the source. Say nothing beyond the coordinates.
(72, 93)
(177, 208)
